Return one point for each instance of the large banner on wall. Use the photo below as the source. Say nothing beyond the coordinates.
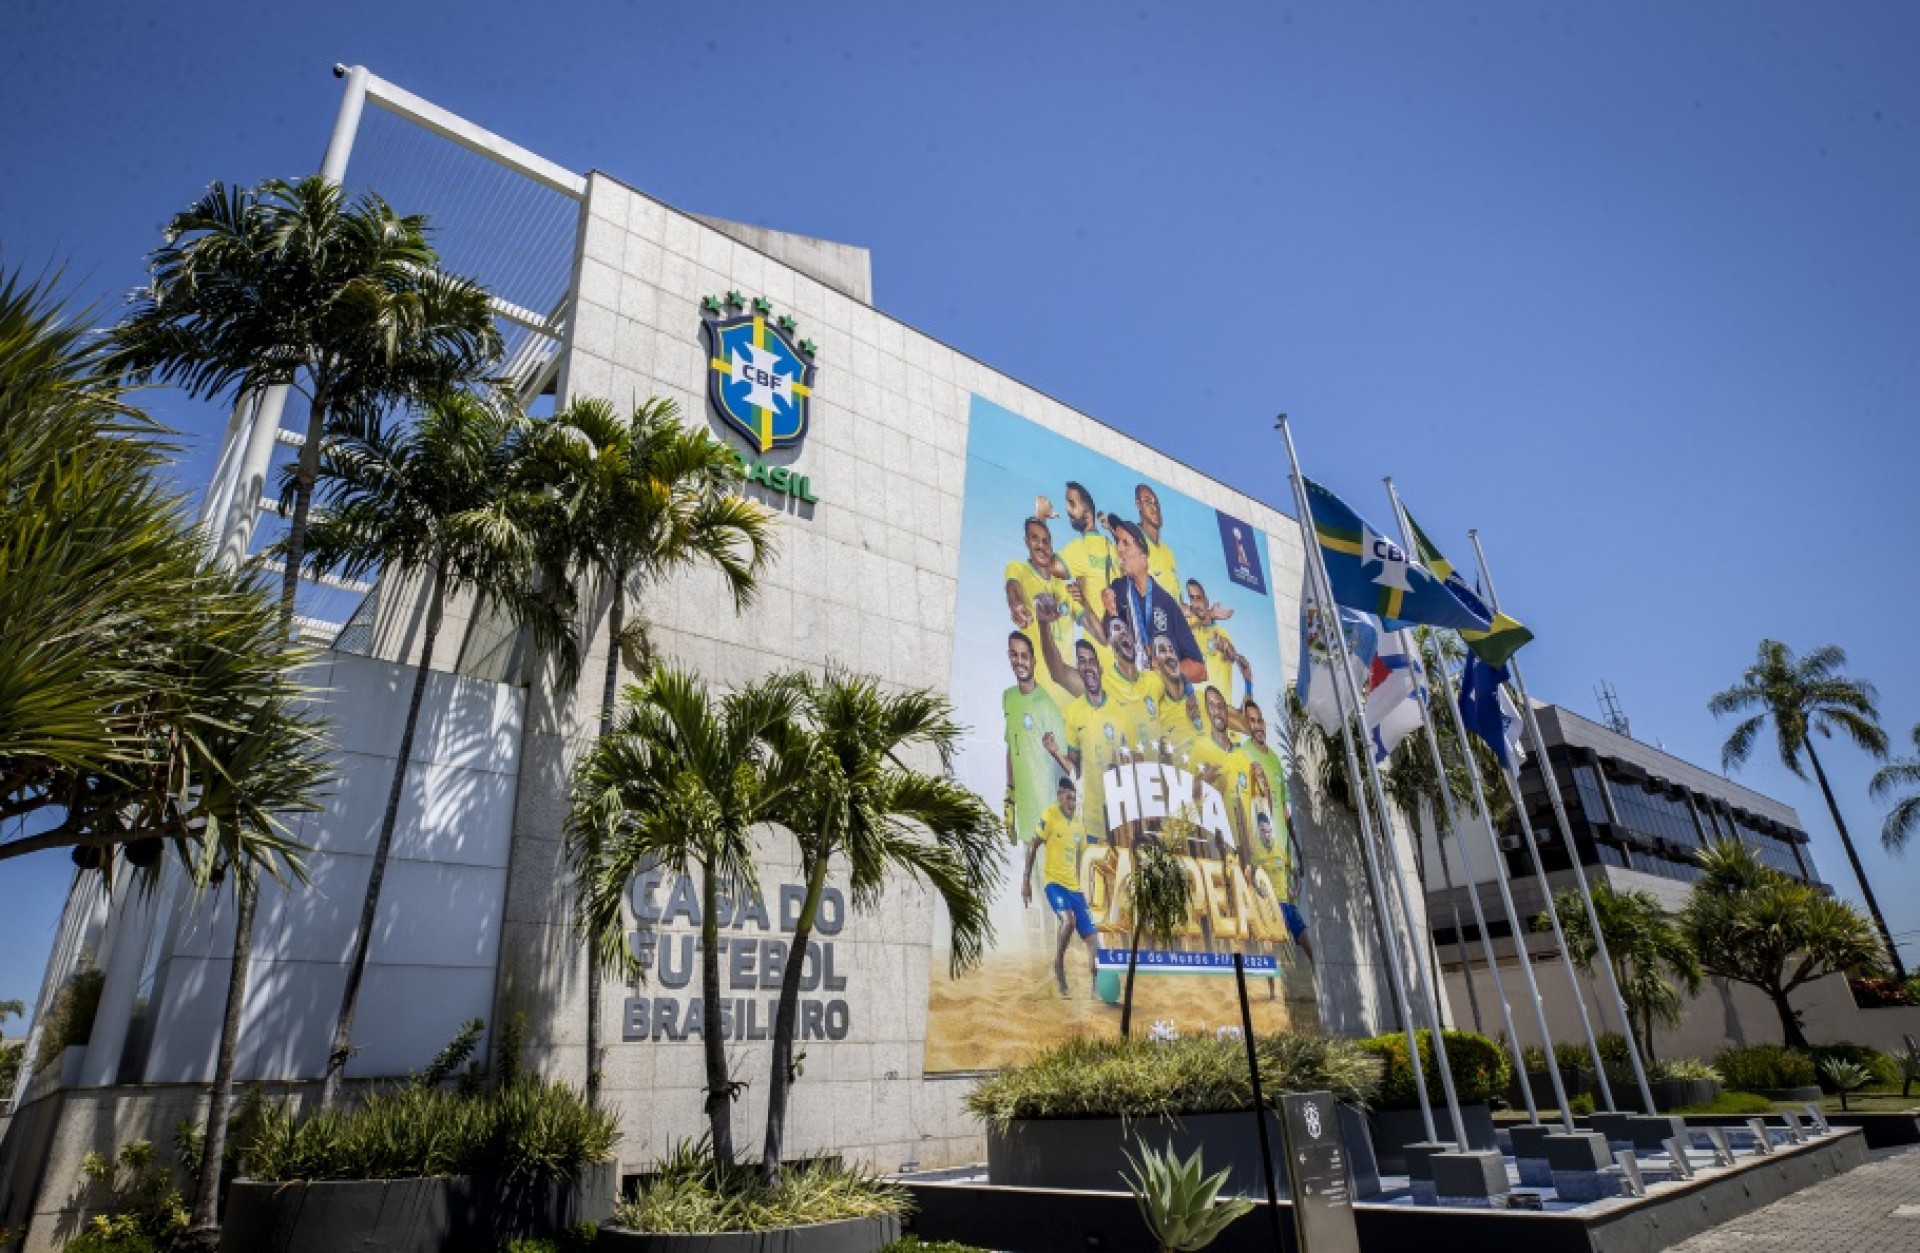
(1117, 665)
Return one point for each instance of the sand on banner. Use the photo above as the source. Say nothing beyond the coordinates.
(1028, 1014)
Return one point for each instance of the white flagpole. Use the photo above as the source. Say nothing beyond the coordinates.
(1323, 591)
(1514, 924)
(1566, 833)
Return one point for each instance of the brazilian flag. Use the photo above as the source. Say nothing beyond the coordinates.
(1371, 573)
(1496, 645)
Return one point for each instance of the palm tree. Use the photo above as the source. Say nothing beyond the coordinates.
(681, 781)
(633, 499)
(864, 807)
(1159, 898)
(126, 656)
(289, 284)
(434, 500)
(1803, 696)
(1752, 924)
(1652, 958)
(1902, 772)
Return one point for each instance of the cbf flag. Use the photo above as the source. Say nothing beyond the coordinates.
(1396, 695)
(1317, 659)
(1494, 645)
(1487, 712)
(1371, 573)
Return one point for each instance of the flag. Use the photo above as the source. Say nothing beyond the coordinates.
(1371, 573)
(1513, 728)
(1493, 646)
(1317, 676)
(1396, 695)
(1486, 711)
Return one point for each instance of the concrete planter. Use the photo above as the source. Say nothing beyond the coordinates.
(1089, 1154)
(449, 1214)
(850, 1235)
(1671, 1094)
(1576, 1080)
(1395, 1129)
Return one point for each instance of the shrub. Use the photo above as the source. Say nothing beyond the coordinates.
(691, 1193)
(1880, 1068)
(1480, 1068)
(1879, 993)
(146, 1213)
(531, 1131)
(1581, 1105)
(1681, 1069)
(69, 1021)
(1144, 1078)
(1765, 1066)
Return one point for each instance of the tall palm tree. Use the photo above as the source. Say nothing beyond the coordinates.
(292, 284)
(1901, 772)
(681, 781)
(632, 499)
(865, 808)
(433, 500)
(1803, 696)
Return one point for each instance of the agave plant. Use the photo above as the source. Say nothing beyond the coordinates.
(1182, 1208)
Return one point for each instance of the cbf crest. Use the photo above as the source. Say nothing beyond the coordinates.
(759, 378)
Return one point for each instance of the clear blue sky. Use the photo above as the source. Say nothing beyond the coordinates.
(1633, 288)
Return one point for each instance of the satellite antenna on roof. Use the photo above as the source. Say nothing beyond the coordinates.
(1610, 712)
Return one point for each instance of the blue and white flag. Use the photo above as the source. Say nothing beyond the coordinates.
(1318, 676)
(1396, 695)
(1487, 711)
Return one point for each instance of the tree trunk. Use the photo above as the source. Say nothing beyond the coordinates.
(1126, 996)
(781, 1081)
(204, 1231)
(1790, 1030)
(304, 478)
(719, 1085)
(363, 936)
(1859, 871)
(609, 693)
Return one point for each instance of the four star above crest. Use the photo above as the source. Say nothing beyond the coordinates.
(718, 305)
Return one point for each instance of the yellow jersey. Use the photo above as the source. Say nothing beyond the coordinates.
(1097, 733)
(1162, 568)
(1033, 584)
(1217, 646)
(1092, 563)
(1062, 839)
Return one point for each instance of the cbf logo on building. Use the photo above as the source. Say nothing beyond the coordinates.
(758, 378)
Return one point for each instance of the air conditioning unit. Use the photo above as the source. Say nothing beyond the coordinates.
(1511, 843)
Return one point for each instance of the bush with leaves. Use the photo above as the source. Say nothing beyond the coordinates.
(691, 1191)
(69, 1023)
(1148, 1078)
(531, 1131)
(1481, 1069)
(1765, 1066)
(1881, 1070)
(146, 1213)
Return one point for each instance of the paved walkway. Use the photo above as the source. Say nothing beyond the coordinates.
(1874, 1209)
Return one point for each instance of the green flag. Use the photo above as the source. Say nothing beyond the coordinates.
(1494, 645)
